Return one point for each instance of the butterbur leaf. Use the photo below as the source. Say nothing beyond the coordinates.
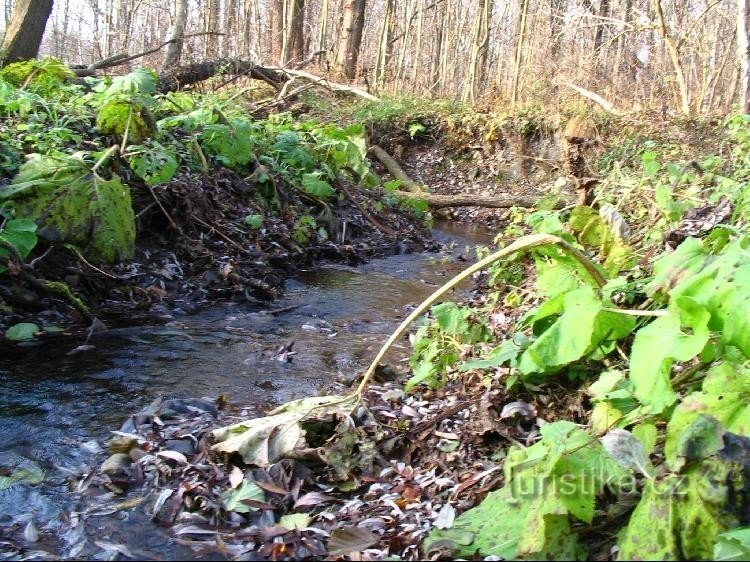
(681, 517)
(453, 319)
(72, 205)
(22, 332)
(581, 329)
(679, 336)
(725, 396)
(733, 545)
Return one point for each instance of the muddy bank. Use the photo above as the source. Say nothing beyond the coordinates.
(196, 245)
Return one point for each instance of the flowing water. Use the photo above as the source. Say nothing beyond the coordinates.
(57, 408)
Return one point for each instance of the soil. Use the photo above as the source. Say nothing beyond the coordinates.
(195, 248)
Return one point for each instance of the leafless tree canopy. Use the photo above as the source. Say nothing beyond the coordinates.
(688, 56)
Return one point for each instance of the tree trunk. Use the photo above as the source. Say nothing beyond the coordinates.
(384, 45)
(743, 55)
(174, 49)
(674, 56)
(25, 29)
(277, 30)
(519, 52)
(350, 40)
(296, 25)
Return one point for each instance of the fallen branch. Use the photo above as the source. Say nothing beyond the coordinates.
(596, 98)
(395, 169)
(437, 201)
(122, 58)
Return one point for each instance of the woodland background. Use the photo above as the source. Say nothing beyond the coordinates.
(677, 56)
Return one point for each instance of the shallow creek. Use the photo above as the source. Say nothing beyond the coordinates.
(57, 409)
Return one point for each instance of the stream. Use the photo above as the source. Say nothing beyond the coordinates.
(57, 409)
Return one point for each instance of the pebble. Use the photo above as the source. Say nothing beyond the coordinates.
(115, 463)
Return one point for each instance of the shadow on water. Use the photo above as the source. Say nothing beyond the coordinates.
(57, 409)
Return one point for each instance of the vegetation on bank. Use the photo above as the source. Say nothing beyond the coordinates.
(74, 156)
(658, 341)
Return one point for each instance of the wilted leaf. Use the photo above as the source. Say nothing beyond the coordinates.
(263, 441)
(311, 499)
(235, 477)
(627, 450)
(175, 456)
(248, 490)
(293, 521)
(350, 539)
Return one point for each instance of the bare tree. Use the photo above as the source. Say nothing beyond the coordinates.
(174, 48)
(350, 39)
(23, 35)
(743, 55)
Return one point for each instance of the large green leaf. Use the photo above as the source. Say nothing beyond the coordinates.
(679, 336)
(733, 545)
(581, 328)
(21, 235)
(725, 396)
(74, 206)
(681, 516)
(547, 484)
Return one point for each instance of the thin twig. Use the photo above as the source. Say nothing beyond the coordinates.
(80, 257)
(224, 236)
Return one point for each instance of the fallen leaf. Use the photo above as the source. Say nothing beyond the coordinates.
(312, 499)
(293, 521)
(173, 456)
(350, 539)
(236, 477)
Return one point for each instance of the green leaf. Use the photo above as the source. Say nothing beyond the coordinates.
(558, 273)
(682, 516)
(247, 490)
(580, 329)
(679, 336)
(546, 484)
(27, 475)
(22, 332)
(722, 286)
(153, 163)
(651, 163)
(453, 319)
(506, 352)
(293, 521)
(317, 187)
(254, 221)
(21, 235)
(733, 545)
(725, 396)
(73, 206)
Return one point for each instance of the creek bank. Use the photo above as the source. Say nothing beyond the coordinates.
(195, 248)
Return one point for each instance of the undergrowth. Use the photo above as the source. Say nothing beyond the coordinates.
(658, 340)
(72, 156)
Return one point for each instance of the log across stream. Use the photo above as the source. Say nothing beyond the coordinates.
(57, 408)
